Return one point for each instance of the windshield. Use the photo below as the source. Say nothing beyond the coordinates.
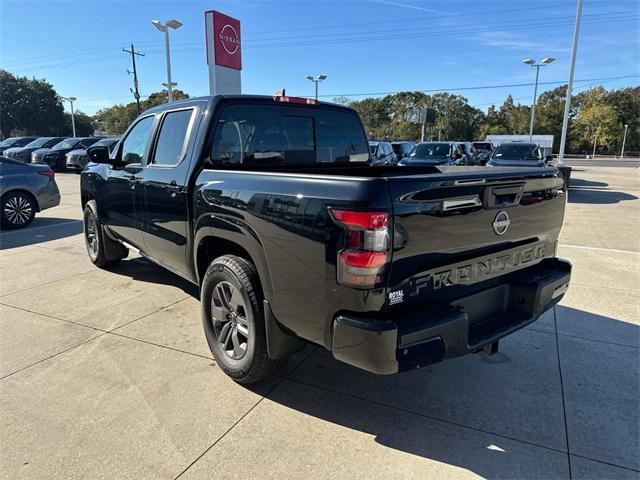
(431, 150)
(105, 142)
(68, 143)
(525, 151)
(38, 142)
(373, 149)
(482, 145)
(7, 142)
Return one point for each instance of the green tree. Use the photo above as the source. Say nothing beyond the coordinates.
(597, 122)
(116, 119)
(455, 118)
(550, 113)
(28, 106)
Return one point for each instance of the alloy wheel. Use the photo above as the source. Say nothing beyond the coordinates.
(18, 210)
(229, 316)
(91, 234)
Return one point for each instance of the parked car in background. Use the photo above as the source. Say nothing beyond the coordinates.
(77, 159)
(23, 154)
(469, 154)
(55, 156)
(25, 189)
(483, 151)
(402, 149)
(518, 154)
(11, 142)
(382, 153)
(434, 153)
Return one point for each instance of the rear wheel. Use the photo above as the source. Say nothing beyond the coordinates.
(103, 252)
(18, 209)
(233, 320)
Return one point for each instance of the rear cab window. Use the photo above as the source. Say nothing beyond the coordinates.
(263, 134)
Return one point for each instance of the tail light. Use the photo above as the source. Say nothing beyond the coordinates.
(362, 261)
(47, 173)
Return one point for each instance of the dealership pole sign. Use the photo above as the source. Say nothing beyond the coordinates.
(224, 53)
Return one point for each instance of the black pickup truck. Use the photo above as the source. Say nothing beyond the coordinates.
(270, 206)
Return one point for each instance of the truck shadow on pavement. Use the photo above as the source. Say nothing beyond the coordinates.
(141, 269)
(498, 419)
(42, 229)
(596, 196)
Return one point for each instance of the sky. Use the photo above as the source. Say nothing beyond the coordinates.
(366, 48)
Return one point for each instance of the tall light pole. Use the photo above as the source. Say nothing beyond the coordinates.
(567, 101)
(543, 63)
(624, 139)
(164, 27)
(73, 119)
(317, 80)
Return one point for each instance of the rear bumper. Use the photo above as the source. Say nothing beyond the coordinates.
(431, 334)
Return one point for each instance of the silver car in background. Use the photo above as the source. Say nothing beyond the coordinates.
(25, 189)
(77, 159)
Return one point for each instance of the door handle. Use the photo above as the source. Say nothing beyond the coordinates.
(173, 187)
(503, 196)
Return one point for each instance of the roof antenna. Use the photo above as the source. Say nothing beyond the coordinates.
(279, 93)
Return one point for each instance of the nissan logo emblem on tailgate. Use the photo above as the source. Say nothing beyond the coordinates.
(501, 223)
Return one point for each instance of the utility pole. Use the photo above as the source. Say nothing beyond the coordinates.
(135, 91)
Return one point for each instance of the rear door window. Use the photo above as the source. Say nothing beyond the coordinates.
(172, 140)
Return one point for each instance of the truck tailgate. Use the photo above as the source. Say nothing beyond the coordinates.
(458, 231)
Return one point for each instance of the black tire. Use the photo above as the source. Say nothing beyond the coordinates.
(18, 209)
(103, 252)
(227, 276)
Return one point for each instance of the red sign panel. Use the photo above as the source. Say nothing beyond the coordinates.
(226, 41)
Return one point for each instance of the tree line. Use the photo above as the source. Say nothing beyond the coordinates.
(596, 115)
(33, 107)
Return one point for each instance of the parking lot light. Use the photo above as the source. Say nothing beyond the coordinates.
(164, 27)
(316, 80)
(624, 139)
(73, 120)
(543, 63)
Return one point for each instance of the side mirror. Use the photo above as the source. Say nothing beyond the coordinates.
(99, 154)
(549, 158)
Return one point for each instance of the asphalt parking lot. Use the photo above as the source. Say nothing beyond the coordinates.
(108, 375)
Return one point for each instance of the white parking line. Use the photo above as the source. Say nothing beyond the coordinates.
(598, 248)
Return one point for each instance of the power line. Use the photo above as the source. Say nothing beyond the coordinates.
(476, 87)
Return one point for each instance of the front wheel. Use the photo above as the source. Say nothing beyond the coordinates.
(233, 320)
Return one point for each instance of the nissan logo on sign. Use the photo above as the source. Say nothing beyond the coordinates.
(229, 39)
(223, 40)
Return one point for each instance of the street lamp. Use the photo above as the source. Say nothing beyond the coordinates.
(624, 139)
(73, 120)
(317, 80)
(543, 63)
(164, 27)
